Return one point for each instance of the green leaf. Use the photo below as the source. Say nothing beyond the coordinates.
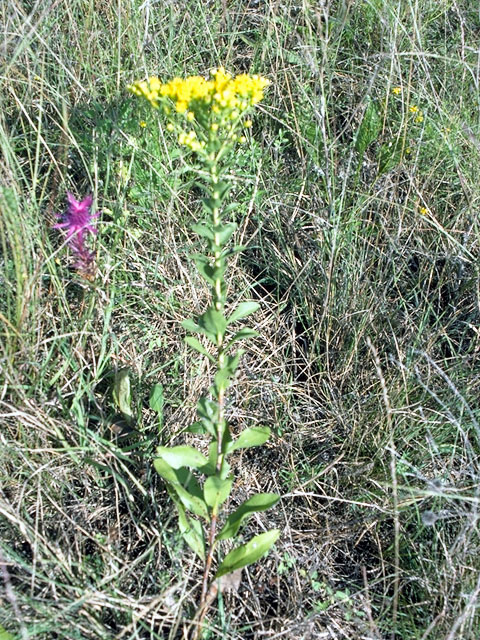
(166, 471)
(209, 271)
(198, 346)
(253, 437)
(389, 156)
(243, 334)
(182, 456)
(156, 401)
(191, 496)
(227, 253)
(204, 268)
(211, 203)
(257, 503)
(204, 231)
(208, 413)
(122, 393)
(191, 531)
(197, 427)
(243, 310)
(248, 553)
(221, 189)
(224, 232)
(216, 490)
(207, 409)
(213, 322)
(223, 375)
(369, 128)
(192, 326)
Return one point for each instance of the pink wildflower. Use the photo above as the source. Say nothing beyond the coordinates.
(78, 219)
(78, 223)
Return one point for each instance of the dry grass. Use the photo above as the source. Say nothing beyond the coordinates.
(366, 367)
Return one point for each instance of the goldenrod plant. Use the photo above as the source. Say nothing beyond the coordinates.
(208, 116)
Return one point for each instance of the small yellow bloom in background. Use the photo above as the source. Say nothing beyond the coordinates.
(170, 127)
(419, 118)
(397, 90)
(143, 124)
(214, 126)
(408, 151)
(190, 116)
(247, 124)
(413, 108)
(242, 139)
(423, 211)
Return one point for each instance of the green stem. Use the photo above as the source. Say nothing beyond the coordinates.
(218, 304)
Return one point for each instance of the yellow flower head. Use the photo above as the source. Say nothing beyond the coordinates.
(413, 108)
(194, 94)
(397, 90)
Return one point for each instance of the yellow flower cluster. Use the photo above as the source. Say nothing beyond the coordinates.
(222, 92)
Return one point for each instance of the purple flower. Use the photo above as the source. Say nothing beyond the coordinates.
(78, 223)
(78, 219)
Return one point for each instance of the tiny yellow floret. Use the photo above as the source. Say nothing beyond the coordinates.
(413, 108)
(397, 90)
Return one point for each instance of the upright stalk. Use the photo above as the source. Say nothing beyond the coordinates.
(206, 117)
(218, 302)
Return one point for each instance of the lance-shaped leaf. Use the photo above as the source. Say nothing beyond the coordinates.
(209, 271)
(191, 325)
(243, 310)
(213, 322)
(191, 530)
(248, 553)
(259, 502)
(198, 346)
(223, 232)
(197, 427)
(243, 334)
(369, 129)
(122, 395)
(224, 374)
(208, 413)
(253, 437)
(221, 189)
(190, 496)
(216, 490)
(389, 155)
(211, 203)
(203, 230)
(156, 401)
(182, 456)
(226, 253)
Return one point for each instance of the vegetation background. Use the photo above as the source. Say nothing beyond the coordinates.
(359, 195)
